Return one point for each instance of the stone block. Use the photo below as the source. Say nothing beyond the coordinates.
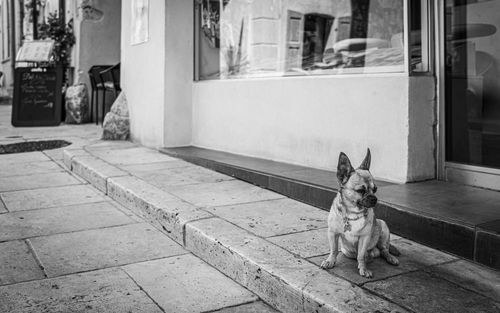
(29, 168)
(116, 124)
(304, 244)
(328, 293)
(177, 176)
(274, 217)
(13, 159)
(35, 223)
(36, 181)
(17, 264)
(271, 272)
(222, 193)
(187, 284)
(68, 155)
(100, 248)
(160, 208)
(50, 197)
(77, 104)
(423, 292)
(139, 155)
(110, 290)
(471, 276)
(254, 307)
(95, 171)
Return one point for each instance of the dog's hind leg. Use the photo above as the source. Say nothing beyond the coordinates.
(333, 239)
(384, 244)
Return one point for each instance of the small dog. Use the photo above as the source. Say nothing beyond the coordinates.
(352, 219)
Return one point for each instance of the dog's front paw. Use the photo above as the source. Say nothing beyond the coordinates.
(328, 263)
(392, 260)
(363, 271)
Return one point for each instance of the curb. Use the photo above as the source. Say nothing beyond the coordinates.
(285, 281)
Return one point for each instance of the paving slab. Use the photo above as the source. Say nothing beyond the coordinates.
(43, 222)
(222, 193)
(254, 307)
(137, 155)
(36, 181)
(99, 248)
(95, 171)
(13, 159)
(68, 155)
(109, 290)
(274, 217)
(423, 292)
(445, 200)
(17, 264)
(8, 169)
(471, 276)
(3, 209)
(141, 169)
(187, 175)
(136, 194)
(50, 197)
(305, 244)
(187, 284)
(110, 145)
(274, 274)
(168, 213)
(413, 257)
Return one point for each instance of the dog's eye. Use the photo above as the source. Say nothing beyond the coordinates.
(362, 190)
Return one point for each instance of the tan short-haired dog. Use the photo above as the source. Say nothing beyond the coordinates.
(352, 219)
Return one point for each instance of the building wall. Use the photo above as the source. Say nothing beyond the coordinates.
(300, 120)
(310, 120)
(143, 75)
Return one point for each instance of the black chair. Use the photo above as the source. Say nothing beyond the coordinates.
(96, 85)
(110, 78)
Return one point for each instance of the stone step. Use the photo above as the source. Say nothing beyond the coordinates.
(282, 279)
(460, 219)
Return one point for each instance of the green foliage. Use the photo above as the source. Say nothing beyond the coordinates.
(62, 33)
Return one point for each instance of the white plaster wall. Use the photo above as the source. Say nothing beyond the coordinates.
(310, 120)
(179, 57)
(143, 76)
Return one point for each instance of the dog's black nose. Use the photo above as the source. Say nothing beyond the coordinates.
(369, 201)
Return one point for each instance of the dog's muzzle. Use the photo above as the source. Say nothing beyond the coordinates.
(368, 202)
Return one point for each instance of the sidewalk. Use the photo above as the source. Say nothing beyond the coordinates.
(273, 245)
(267, 243)
(67, 247)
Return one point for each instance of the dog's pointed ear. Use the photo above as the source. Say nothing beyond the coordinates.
(344, 168)
(366, 162)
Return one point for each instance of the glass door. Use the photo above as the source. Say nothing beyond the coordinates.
(472, 90)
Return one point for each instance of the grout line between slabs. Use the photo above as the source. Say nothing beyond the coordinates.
(35, 256)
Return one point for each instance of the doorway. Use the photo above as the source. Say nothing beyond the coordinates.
(472, 92)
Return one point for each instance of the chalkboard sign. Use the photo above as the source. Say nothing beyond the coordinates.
(37, 96)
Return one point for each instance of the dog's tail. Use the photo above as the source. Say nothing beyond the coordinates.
(394, 251)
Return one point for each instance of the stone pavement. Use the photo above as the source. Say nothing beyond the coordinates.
(67, 247)
(263, 241)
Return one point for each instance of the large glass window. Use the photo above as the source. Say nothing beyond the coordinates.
(472, 72)
(255, 38)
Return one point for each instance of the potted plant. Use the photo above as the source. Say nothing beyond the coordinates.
(62, 34)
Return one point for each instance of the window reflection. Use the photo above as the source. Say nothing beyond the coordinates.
(253, 38)
(472, 80)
